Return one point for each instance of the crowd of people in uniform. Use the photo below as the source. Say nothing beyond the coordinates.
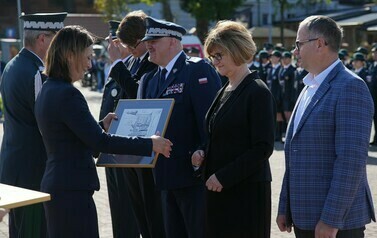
(212, 177)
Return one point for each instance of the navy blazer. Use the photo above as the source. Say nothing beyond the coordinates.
(193, 84)
(71, 134)
(325, 177)
(23, 155)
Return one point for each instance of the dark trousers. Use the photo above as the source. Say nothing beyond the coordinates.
(184, 212)
(146, 202)
(71, 214)
(122, 214)
(27, 222)
(353, 233)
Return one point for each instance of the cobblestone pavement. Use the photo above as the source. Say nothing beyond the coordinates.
(277, 166)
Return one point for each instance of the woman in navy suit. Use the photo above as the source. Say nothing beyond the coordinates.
(71, 135)
(240, 126)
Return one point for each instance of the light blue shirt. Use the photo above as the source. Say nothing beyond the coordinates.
(312, 82)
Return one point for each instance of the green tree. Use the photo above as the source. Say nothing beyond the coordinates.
(289, 4)
(209, 10)
(116, 9)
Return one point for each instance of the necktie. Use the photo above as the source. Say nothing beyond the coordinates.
(162, 78)
(135, 66)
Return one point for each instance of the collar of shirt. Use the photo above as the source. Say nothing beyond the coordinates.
(357, 70)
(170, 65)
(315, 81)
(143, 56)
(125, 59)
(276, 65)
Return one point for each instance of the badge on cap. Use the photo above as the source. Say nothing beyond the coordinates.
(44, 21)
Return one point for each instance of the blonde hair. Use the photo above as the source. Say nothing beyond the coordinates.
(232, 37)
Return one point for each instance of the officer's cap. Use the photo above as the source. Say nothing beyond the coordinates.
(362, 50)
(113, 27)
(287, 54)
(344, 52)
(358, 56)
(374, 47)
(276, 53)
(341, 55)
(263, 54)
(44, 21)
(268, 46)
(160, 28)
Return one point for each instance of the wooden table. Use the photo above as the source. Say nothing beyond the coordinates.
(12, 196)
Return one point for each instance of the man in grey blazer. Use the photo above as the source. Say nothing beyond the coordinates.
(325, 192)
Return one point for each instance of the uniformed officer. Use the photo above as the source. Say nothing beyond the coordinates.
(144, 198)
(287, 74)
(122, 214)
(264, 64)
(276, 85)
(373, 89)
(193, 83)
(23, 155)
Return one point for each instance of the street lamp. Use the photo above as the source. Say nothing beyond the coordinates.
(20, 32)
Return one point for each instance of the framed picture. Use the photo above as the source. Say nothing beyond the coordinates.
(142, 118)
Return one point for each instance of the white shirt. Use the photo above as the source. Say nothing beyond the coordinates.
(170, 65)
(313, 83)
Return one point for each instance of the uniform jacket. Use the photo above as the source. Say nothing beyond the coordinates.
(287, 75)
(193, 84)
(112, 92)
(128, 82)
(276, 85)
(325, 176)
(23, 155)
(242, 136)
(71, 134)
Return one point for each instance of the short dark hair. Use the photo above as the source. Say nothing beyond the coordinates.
(132, 28)
(324, 26)
(69, 41)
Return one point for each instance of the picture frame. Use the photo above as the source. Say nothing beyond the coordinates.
(137, 117)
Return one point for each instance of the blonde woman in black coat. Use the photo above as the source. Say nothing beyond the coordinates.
(240, 126)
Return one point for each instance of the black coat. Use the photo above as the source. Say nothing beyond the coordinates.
(241, 140)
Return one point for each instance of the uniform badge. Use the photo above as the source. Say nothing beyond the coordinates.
(114, 92)
(174, 89)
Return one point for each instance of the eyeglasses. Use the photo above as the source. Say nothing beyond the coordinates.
(217, 56)
(135, 46)
(300, 43)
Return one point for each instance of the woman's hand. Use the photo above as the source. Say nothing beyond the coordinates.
(161, 145)
(108, 119)
(197, 158)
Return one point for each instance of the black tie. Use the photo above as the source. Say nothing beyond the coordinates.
(162, 78)
(135, 66)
